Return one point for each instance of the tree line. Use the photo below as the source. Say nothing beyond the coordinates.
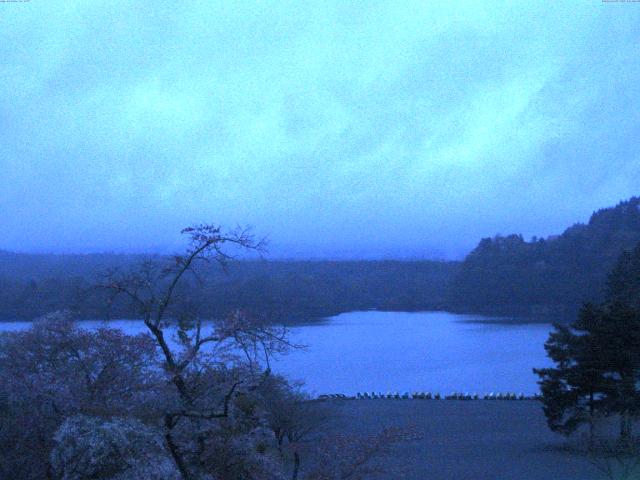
(32, 285)
(550, 277)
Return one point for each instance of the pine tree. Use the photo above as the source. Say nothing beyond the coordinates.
(597, 358)
(573, 391)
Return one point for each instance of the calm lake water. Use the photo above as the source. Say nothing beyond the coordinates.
(405, 352)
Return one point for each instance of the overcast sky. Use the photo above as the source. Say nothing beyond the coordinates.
(369, 130)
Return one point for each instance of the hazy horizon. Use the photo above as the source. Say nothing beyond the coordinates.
(267, 253)
(398, 130)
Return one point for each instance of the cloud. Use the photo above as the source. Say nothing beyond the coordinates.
(398, 128)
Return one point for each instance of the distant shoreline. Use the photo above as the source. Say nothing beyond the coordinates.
(487, 318)
(318, 319)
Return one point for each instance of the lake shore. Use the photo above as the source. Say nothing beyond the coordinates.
(480, 440)
(400, 351)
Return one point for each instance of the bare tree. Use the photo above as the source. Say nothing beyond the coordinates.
(293, 417)
(209, 365)
(186, 399)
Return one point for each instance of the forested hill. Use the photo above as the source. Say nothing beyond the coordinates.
(553, 276)
(31, 285)
(502, 275)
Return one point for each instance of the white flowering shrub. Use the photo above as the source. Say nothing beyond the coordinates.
(56, 370)
(115, 449)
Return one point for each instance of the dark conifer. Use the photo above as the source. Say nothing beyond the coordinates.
(597, 358)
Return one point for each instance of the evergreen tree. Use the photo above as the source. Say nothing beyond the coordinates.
(618, 339)
(573, 391)
(597, 358)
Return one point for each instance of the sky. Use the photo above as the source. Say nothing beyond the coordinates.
(337, 129)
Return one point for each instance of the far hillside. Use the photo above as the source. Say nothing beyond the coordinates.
(504, 275)
(553, 276)
(32, 285)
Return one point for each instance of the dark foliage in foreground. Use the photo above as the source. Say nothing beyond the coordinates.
(79, 404)
(597, 357)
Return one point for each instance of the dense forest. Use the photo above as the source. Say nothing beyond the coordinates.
(32, 285)
(502, 275)
(551, 276)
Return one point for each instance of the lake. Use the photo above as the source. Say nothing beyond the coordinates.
(405, 352)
